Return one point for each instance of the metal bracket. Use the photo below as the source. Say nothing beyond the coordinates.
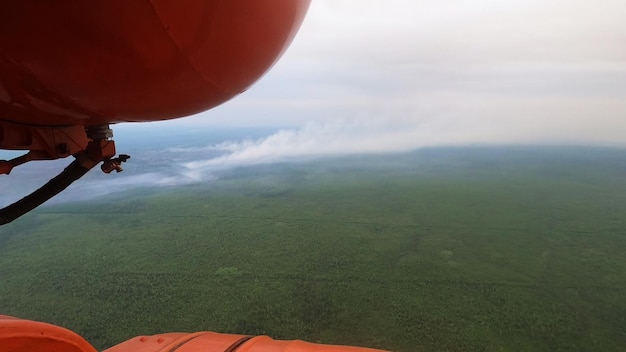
(99, 149)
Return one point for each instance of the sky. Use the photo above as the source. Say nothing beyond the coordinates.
(392, 75)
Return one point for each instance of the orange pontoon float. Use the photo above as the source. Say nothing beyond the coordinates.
(17, 335)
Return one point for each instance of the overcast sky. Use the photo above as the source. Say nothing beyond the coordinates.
(446, 72)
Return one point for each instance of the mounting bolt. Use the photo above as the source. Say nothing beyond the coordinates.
(62, 149)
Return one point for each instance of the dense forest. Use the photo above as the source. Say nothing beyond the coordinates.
(483, 249)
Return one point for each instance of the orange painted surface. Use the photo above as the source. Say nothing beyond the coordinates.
(79, 62)
(18, 335)
(215, 342)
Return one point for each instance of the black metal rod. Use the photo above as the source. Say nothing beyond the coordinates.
(70, 174)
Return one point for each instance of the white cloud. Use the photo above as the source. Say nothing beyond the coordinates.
(463, 31)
